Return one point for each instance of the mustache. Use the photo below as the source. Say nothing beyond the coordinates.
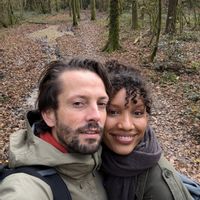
(92, 126)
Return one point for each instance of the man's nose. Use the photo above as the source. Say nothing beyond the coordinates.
(126, 122)
(93, 113)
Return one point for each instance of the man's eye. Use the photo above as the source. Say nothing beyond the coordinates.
(78, 104)
(102, 104)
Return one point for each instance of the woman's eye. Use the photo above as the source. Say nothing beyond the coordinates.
(112, 112)
(138, 113)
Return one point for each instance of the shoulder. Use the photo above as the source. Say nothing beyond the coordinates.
(18, 135)
(23, 186)
(156, 187)
(173, 181)
(163, 182)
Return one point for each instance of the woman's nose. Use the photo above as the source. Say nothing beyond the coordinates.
(126, 122)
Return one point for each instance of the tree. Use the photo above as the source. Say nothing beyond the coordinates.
(78, 9)
(113, 38)
(56, 4)
(159, 20)
(75, 22)
(93, 9)
(85, 4)
(70, 8)
(104, 5)
(134, 14)
(194, 5)
(171, 17)
(49, 6)
(29, 5)
(11, 16)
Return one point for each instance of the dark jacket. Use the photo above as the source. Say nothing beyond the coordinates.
(161, 182)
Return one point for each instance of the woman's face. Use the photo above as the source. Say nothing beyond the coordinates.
(125, 124)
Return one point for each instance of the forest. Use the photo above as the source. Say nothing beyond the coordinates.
(159, 37)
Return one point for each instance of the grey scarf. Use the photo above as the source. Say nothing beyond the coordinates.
(120, 172)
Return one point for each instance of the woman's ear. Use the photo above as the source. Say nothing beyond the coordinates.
(49, 117)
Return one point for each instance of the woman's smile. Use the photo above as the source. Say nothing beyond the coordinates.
(123, 138)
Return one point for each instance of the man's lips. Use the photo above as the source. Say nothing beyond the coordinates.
(90, 135)
(90, 132)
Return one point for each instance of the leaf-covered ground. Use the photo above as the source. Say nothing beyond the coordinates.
(26, 48)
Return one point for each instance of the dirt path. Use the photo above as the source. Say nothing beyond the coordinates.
(167, 119)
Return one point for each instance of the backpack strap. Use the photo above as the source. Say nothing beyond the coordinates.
(47, 174)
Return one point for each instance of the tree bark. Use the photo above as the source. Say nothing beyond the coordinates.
(134, 14)
(93, 9)
(10, 13)
(78, 9)
(171, 17)
(75, 22)
(113, 38)
(70, 7)
(56, 4)
(158, 31)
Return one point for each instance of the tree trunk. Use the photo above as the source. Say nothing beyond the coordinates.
(30, 5)
(106, 5)
(56, 4)
(73, 3)
(171, 17)
(120, 6)
(196, 14)
(10, 13)
(85, 4)
(134, 14)
(180, 16)
(81, 4)
(101, 3)
(49, 6)
(158, 31)
(113, 38)
(78, 9)
(93, 9)
(70, 7)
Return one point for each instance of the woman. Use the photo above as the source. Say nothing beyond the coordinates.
(133, 165)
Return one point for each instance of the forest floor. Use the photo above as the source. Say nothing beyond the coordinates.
(26, 48)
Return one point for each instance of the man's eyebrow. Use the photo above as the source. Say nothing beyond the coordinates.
(104, 97)
(85, 97)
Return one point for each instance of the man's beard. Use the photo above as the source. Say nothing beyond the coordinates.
(70, 138)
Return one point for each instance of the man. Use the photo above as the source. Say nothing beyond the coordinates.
(67, 133)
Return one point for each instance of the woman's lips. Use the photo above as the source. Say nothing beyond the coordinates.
(123, 139)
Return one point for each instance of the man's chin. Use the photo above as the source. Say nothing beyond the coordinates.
(90, 148)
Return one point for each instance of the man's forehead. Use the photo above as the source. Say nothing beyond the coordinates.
(78, 73)
(82, 83)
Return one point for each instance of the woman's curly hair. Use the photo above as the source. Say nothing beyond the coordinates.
(122, 76)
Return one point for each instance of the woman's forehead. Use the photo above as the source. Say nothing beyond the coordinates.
(125, 98)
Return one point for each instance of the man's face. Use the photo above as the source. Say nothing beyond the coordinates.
(78, 122)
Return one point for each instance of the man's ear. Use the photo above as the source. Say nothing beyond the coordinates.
(49, 117)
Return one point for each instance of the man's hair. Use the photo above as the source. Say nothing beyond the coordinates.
(50, 86)
(122, 76)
